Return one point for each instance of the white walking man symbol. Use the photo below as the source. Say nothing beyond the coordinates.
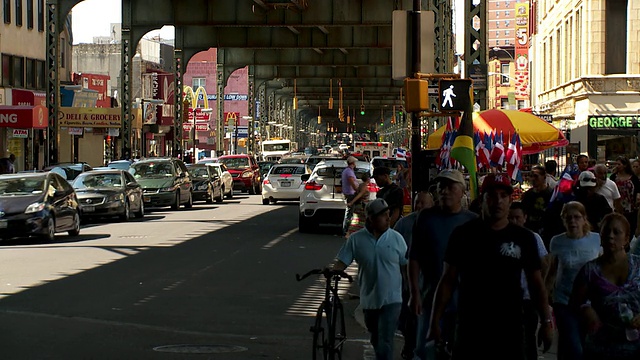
(447, 94)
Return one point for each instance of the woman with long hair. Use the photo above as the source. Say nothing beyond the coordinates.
(603, 290)
(359, 202)
(568, 251)
(629, 187)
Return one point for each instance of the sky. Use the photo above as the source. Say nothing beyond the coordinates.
(93, 18)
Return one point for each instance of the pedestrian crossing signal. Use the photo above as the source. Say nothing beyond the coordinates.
(455, 95)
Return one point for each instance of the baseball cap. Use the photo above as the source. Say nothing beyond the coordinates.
(351, 160)
(376, 207)
(587, 179)
(451, 174)
(495, 181)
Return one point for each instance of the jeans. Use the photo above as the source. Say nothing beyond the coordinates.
(448, 329)
(530, 328)
(382, 324)
(348, 214)
(569, 342)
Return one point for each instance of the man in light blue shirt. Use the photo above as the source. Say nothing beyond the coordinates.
(381, 256)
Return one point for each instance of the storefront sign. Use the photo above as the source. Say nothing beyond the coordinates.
(90, 117)
(614, 122)
(20, 133)
(98, 83)
(75, 131)
(522, 50)
(199, 127)
(24, 117)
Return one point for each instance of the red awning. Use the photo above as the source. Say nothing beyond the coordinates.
(24, 117)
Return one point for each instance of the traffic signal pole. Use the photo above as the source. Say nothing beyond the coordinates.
(415, 116)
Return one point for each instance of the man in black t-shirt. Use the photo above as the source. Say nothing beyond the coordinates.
(390, 192)
(485, 258)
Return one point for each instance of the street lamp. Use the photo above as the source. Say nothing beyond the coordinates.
(495, 48)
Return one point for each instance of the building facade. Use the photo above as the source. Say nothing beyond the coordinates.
(587, 73)
(501, 23)
(23, 51)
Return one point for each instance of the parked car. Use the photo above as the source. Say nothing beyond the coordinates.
(69, 171)
(284, 183)
(120, 164)
(225, 178)
(207, 160)
(39, 204)
(109, 193)
(164, 182)
(265, 166)
(207, 185)
(245, 171)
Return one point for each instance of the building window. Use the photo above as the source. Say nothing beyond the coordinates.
(520, 104)
(198, 81)
(6, 8)
(31, 74)
(506, 33)
(18, 72)
(6, 70)
(615, 61)
(504, 73)
(497, 42)
(498, 33)
(507, 42)
(63, 54)
(497, 4)
(29, 14)
(507, 13)
(504, 103)
(497, 24)
(507, 4)
(18, 12)
(40, 15)
(40, 75)
(507, 23)
(497, 14)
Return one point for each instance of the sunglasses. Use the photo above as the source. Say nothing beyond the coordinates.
(589, 180)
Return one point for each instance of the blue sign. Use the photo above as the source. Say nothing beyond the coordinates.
(227, 97)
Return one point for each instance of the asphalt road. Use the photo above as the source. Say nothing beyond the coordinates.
(220, 277)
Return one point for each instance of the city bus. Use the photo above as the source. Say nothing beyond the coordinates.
(274, 150)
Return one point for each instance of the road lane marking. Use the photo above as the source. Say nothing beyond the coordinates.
(273, 242)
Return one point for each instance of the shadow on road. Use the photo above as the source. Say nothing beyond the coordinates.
(60, 239)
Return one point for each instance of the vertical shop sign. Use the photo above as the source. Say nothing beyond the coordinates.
(522, 50)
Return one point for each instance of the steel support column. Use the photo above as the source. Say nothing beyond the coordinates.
(178, 63)
(53, 81)
(251, 111)
(220, 107)
(126, 80)
(475, 45)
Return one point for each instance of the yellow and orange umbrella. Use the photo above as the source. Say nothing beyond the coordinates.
(536, 134)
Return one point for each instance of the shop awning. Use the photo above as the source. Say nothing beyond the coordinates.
(24, 117)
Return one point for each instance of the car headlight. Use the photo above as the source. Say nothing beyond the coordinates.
(169, 189)
(35, 207)
(117, 197)
(247, 174)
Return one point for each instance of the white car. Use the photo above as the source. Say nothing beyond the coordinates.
(225, 177)
(284, 183)
(322, 204)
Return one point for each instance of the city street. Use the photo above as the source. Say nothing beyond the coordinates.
(217, 275)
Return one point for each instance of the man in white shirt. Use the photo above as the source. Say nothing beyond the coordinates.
(607, 188)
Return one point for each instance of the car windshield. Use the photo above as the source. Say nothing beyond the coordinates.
(122, 165)
(198, 172)
(151, 170)
(290, 170)
(330, 171)
(21, 186)
(235, 162)
(91, 181)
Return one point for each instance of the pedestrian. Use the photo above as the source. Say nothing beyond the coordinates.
(431, 233)
(349, 188)
(596, 204)
(358, 203)
(6, 165)
(602, 289)
(536, 199)
(568, 251)
(551, 168)
(408, 320)
(381, 256)
(518, 216)
(607, 188)
(629, 187)
(390, 192)
(485, 258)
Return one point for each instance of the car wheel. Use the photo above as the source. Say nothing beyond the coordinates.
(189, 203)
(76, 225)
(140, 213)
(126, 214)
(265, 201)
(176, 204)
(258, 188)
(304, 225)
(50, 230)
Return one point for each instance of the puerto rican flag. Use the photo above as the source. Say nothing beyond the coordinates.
(514, 156)
(497, 153)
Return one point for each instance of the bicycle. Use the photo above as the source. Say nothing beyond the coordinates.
(329, 317)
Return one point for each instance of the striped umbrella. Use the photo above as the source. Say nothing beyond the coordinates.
(536, 134)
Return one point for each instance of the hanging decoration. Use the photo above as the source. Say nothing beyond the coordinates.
(341, 108)
(295, 98)
(319, 116)
(330, 94)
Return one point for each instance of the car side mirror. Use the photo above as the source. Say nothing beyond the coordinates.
(132, 184)
(305, 177)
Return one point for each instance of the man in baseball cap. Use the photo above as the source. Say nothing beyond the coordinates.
(497, 181)
(381, 255)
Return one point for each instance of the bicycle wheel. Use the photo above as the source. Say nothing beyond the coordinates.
(320, 336)
(338, 328)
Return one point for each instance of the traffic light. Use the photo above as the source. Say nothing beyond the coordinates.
(362, 109)
(454, 95)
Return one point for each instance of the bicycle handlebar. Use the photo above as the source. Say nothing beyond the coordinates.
(328, 273)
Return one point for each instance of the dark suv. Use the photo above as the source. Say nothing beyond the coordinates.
(245, 172)
(164, 182)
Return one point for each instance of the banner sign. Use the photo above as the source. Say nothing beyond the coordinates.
(231, 117)
(522, 51)
(75, 131)
(227, 97)
(200, 127)
(90, 117)
(200, 115)
(614, 122)
(20, 133)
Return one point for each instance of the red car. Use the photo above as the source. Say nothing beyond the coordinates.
(245, 172)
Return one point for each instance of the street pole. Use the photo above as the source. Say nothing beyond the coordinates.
(415, 116)
(193, 154)
(235, 137)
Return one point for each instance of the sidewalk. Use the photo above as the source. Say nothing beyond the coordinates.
(369, 355)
